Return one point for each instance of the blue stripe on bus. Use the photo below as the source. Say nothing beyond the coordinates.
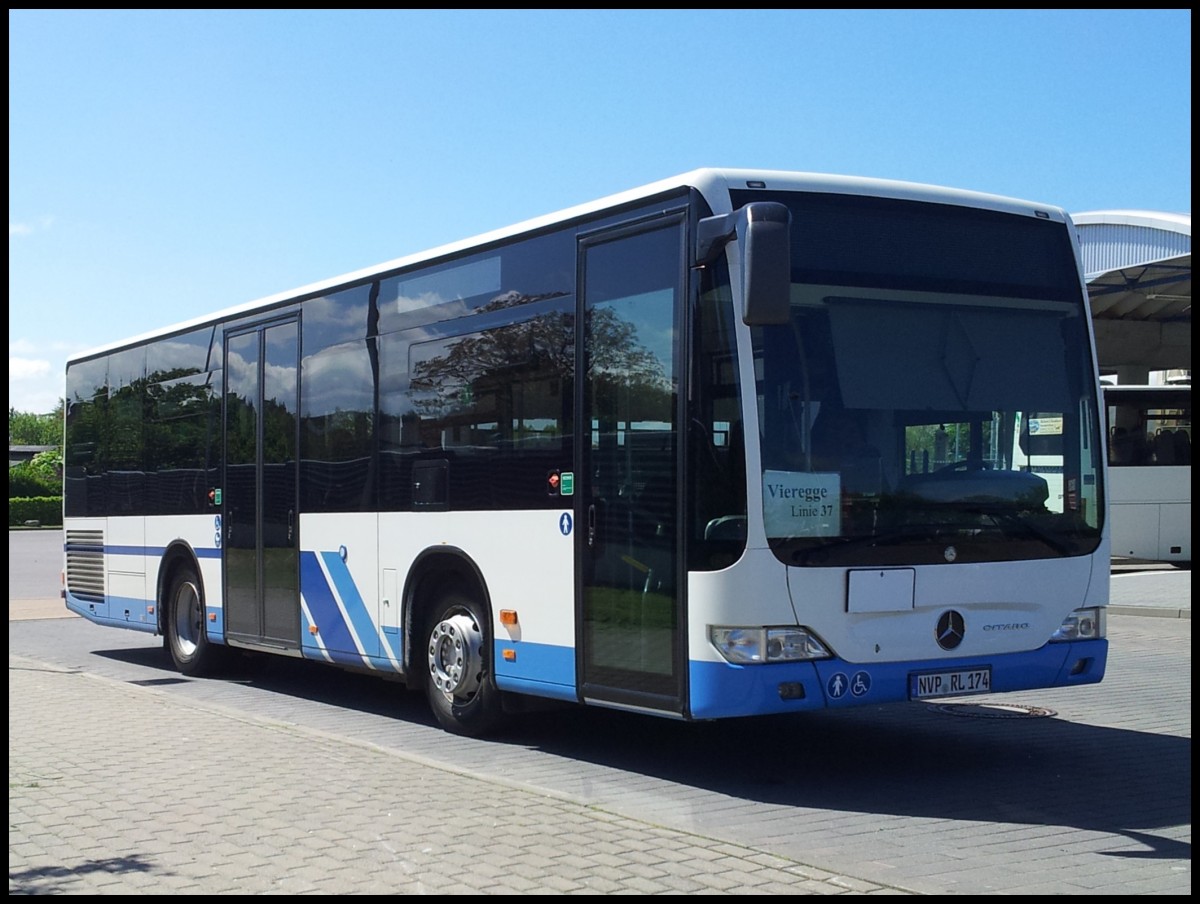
(332, 629)
(216, 623)
(352, 601)
(391, 644)
(355, 660)
(335, 638)
(99, 612)
(721, 690)
(537, 668)
(153, 551)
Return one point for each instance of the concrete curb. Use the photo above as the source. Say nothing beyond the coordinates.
(1153, 611)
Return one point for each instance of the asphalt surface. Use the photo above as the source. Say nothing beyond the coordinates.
(125, 779)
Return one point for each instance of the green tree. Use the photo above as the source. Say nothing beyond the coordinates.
(48, 465)
(28, 429)
(30, 479)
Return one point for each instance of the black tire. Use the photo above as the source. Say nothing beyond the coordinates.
(457, 657)
(184, 633)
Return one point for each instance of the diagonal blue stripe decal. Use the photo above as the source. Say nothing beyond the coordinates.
(360, 618)
(334, 633)
(389, 642)
(308, 641)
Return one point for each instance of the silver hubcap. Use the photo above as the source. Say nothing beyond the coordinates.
(455, 657)
(187, 618)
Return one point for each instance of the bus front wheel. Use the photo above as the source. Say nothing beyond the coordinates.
(184, 633)
(460, 684)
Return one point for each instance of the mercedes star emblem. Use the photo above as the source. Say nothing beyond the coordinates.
(950, 630)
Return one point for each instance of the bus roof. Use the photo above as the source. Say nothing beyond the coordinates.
(713, 183)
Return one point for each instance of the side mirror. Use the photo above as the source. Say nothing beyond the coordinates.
(763, 233)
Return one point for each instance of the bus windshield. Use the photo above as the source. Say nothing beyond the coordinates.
(913, 420)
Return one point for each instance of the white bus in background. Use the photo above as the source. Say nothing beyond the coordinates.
(1150, 471)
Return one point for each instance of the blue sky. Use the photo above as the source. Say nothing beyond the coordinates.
(166, 164)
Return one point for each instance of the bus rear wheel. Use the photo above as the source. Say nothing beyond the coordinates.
(459, 681)
(184, 632)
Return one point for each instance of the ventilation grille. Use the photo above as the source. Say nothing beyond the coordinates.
(85, 564)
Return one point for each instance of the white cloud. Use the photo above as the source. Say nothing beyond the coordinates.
(22, 347)
(27, 368)
(22, 229)
(34, 384)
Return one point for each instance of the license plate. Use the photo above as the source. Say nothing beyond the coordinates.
(949, 684)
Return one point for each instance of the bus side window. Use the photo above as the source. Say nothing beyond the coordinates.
(1183, 447)
(1122, 447)
(1172, 447)
(410, 431)
(1164, 447)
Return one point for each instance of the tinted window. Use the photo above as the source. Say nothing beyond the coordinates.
(493, 405)
(337, 427)
(535, 269)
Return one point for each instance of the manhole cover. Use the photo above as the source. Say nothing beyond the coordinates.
(993, 710)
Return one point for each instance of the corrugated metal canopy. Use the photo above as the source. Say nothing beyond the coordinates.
(1159, 291)
(1138, 266)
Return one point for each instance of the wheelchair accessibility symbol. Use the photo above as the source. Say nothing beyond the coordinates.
(838, 684)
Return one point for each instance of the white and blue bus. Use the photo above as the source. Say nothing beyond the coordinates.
(1150, 471)
(729, 444)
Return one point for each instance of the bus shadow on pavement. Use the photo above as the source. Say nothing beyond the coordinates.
(921, 760)
(908, 760)
(295, 678)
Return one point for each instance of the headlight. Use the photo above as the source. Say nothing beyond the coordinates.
(1082, 624)
(757, 645)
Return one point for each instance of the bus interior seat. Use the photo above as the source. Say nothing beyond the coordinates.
(1182, 442)
(1122, 446)
(1164, 447)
